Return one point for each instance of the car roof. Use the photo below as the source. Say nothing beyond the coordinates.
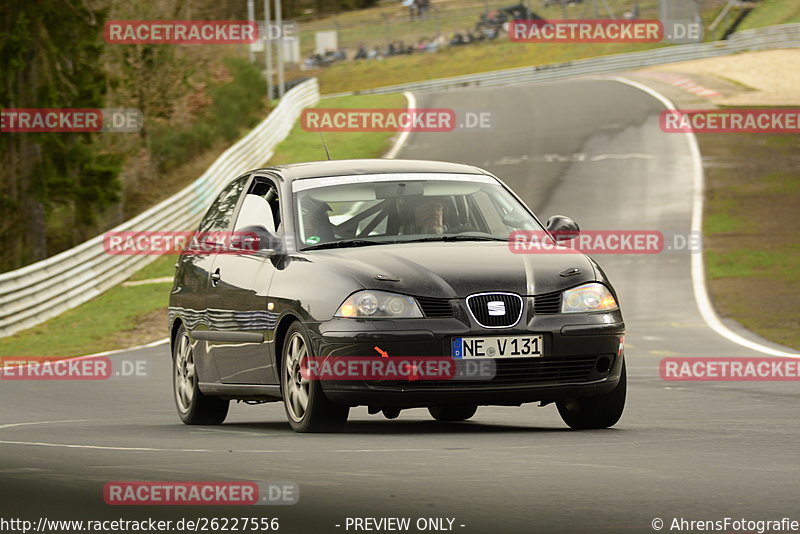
(345, 167)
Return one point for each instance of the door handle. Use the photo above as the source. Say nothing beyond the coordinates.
(215, 278)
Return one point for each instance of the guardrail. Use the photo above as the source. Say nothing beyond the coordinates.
(770, 37)
(37, 292)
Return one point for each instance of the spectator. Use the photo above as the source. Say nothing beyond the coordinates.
(361, 53)
(457, 39)
(412, 8)
(422, 8)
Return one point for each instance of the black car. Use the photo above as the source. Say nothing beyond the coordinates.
(383, 260)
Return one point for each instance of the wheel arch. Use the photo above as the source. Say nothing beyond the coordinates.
(176, 325)
(280, 337)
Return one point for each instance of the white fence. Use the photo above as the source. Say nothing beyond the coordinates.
(771, 37)
(42, 290)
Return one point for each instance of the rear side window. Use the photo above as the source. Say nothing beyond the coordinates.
(218, 217)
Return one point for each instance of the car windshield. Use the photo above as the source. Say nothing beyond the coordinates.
(379, 209)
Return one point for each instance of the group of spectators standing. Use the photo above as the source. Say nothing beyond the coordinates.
(397, 48)
(316, 60)
(488, 28)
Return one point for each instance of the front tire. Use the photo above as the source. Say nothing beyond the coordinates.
(601, 411)
(194, 408)
(307, 407)
(459, 412)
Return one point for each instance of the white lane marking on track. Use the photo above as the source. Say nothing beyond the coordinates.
(346, 451)
(634, 155)
(104, 447)
(698, 271)
(11, 425)
(411, 103)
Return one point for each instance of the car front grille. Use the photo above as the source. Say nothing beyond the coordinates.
(495, 310)
(547, 303)
(435, 307)
(522, 372)
(535, 370)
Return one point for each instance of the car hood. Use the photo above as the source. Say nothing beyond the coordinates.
(450, 270)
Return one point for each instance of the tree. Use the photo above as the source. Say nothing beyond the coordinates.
(50, 58)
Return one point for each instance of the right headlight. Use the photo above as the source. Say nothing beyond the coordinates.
(588, 298)
(378, 304)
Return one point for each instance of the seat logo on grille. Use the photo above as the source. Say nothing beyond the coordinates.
(496, 307)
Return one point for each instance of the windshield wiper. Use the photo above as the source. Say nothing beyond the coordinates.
(346, 243)
(456, 238)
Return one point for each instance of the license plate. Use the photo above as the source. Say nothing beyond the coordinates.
(497, 347)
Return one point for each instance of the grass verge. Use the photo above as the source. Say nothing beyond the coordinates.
(771, 12)
(456, 60)
(750, 229)
(132, 315)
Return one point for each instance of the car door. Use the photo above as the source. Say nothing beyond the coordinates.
(237, 304)
(190, 292)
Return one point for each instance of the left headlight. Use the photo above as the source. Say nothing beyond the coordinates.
(378, 304)
(588, 298)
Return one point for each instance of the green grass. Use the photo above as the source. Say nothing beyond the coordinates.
(752, 255)
(114, 319)
(307, 146)
(453, 61)
(92, 327)
(747, 263)
(772, 12)
(163, 266)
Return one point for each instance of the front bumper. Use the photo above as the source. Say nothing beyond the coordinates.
(582, 357)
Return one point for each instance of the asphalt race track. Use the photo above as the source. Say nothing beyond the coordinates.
(590, 149)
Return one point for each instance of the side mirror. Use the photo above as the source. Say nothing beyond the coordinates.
(563, 228)
(254, 238)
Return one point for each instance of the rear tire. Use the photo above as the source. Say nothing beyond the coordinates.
(601, 411)
(307, 407)
(459, 412)
(194, 408)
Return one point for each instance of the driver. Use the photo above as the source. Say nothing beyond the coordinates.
(428, 214)
(317, 225)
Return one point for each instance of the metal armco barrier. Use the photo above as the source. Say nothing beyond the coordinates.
(771, 37)
(40, 291)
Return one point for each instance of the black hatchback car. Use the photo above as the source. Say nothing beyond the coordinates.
(388, 261)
